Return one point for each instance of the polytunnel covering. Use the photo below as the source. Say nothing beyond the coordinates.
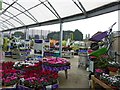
(20, 14)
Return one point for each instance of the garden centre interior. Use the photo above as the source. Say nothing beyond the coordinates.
(35, 55)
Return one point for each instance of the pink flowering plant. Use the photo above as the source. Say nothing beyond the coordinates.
(56, 62)
(9, 75)
(32, 76)
(32, 82)
(98, 72)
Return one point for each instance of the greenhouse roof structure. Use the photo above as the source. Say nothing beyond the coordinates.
(22, 14)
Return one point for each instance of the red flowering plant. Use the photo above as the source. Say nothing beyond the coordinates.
(9, 77)
(50, 75)
(1, 76)
(7, 65)
(32, 82)
(38, 79)
(113, 66)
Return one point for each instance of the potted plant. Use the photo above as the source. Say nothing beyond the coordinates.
(98, 72)
(113, 66)
(101, 63)
(114, 82)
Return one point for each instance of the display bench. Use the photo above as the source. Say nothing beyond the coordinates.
(8, 88)
(21, 87)
(56, 64)
(51, 53)
(57, 69)
(27, 75)
(20, 54)
(68, 54)
(101, 83)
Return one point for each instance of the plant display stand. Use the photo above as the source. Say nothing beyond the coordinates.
(51, 54)
(15, 54)
(56, 64)
(97, 81)
(68, 54)
(27, 75)
(46, 45)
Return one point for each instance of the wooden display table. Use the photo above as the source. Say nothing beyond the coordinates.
(56, 64)
(95, 80)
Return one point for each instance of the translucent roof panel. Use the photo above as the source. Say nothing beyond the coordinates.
(17, 24)
(41, 13)
(4, 17)
(65, 7)
(7, 1)
(92, 4)
(13, 10)
(1, 19)
(18, 6)
(29, 12)
(27, 4)
(25, 19)
(8, 25)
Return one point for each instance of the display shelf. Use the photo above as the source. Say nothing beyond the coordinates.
(68, 54)
(8, 54)
(51, 53)
(15, 54)
(101, 83)
(8, 88)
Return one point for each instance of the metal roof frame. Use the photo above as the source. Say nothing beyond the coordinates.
(23, 12)
(114, 6)
(28, 12)
(12, 18)
(16, 18)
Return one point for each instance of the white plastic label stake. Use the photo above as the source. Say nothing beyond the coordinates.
(49, 87)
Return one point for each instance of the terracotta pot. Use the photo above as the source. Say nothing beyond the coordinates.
(115, 88)
(112, 69)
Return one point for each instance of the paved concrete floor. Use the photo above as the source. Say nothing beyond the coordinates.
(77, 77)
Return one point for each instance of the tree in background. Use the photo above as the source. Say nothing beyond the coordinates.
(67, 34)
(77, 35)
(56, 35)
(19, 34)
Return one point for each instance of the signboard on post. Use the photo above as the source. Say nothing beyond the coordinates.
(38, 47)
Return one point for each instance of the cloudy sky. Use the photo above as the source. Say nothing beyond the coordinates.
(88, 26)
